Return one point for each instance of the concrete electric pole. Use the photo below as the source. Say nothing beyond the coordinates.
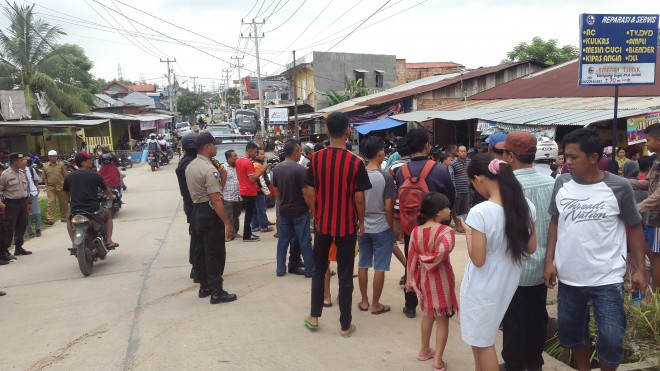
(256, 37)
(169, 82)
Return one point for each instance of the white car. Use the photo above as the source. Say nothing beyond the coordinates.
(182, 128)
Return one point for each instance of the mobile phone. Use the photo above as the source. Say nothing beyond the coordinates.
(636, 296)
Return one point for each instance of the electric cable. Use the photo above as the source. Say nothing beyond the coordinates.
(283, 23)
(138, 31)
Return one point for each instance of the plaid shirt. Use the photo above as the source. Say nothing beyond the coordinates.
(231, 191)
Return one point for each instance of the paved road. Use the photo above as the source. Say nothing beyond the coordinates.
(139, 309)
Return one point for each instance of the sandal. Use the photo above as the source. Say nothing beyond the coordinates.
(310, 325)
(361, 308)
(349, 333)
(383, 309)
(327, 305)
(426, 357)
(442, 367)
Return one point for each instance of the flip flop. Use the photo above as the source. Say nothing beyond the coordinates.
(383, 309)
(428, 356)
(363, 309)
(443, 367)
(327, 305)
(310, 325)
(114, 245)
(350, 333)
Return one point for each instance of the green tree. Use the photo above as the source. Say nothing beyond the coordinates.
(25, 54)
(352, 89)
(188, 102)
(546, 52)
(233, 96)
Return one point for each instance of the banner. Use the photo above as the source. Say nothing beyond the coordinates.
(12, 103)
(636, 125)
(147, 125)
(538, 131)
(617, 49)
(278, 116)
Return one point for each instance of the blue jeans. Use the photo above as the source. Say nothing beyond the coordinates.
(259, 219)
(36, 212)
(288, 228)
(573, 318)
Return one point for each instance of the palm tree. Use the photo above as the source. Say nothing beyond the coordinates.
(233, 96)
(25, 50)
(352, 89)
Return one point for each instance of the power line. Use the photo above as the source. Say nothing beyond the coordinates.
(368, 18)
(266, 10)
(138, 31)
(340, 17)
(277, 9)
(253, 5)
(283, 23)
(259, 11)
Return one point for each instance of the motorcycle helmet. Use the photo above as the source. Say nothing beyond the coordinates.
(106, 158)
(188, 141)
(546, 149)
(152, 136)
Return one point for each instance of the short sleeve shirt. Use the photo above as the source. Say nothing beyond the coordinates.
(289, 177)
(83, 187)
(202, 179)
(461, 179)
(591, 234)
(336, 174)
(14, 185)
(245, 167)
(375, 220)
(54, 175)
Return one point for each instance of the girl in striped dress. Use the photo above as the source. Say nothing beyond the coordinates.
(431, 276)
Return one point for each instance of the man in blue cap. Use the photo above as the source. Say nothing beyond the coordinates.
(496, 145)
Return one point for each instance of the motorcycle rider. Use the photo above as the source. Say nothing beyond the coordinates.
(109, 171)
(190, 150)
(164, 145)
(81, 189)
(153, 145)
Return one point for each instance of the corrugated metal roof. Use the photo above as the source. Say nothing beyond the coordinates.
(125, 117)
(561, 81)
(523, 116)
(52, 124)
(106, 98)
(448, 80)
(558, 103)
(432, 65)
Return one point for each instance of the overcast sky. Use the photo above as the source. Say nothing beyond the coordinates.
(473, 33)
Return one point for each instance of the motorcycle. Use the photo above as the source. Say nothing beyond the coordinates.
(164, 158)
(89, 239)
(116, 203)
(125, 161)
(69, 164)
(153, 161)
(279, 147)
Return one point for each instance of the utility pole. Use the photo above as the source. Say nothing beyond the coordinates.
(295, 97)
(238, 65)
(226, 72)
(169, 82)
(194, 78)
(254, 25)
(175, 85)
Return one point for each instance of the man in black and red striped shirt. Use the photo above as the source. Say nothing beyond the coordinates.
(340, 179)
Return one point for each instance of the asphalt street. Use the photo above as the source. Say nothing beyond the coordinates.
(139, 309)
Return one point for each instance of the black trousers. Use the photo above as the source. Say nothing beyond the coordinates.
(524, 329)
(295, 257)
(210, 253)
(250, 203)
(411, 297)
(345, 261)
(14, 223)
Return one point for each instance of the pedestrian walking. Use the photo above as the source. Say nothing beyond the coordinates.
(247, 182)
(339, 179)
(35, 208)
(190, 148)
(499, 234)
(54, 173)
(231, 194)
(14, 193)
(209, 220)
(431, 276)
(296, 200)
(409, 179)
(525, 322)
(590, 206)
(377, 242)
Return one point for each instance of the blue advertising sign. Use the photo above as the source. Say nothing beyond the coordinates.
(618, 49)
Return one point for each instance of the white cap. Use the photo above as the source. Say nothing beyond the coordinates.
(52, 152)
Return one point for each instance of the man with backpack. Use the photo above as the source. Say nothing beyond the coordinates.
(414, 180)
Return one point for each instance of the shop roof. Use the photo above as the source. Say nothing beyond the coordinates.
(560, 81)
(125, 117)
(432, 65)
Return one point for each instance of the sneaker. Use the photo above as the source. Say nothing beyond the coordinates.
(222, 296)
(38, 234)
(3, 262)
(251, 239)
(268, 229)
(409, 312)
(254, 230)
(21, 251)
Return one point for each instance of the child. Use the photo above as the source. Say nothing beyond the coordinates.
(431, 276)
(499, 233)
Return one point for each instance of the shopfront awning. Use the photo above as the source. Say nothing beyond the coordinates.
(382, 124)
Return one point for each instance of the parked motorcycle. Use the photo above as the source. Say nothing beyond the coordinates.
(153, 161)
(89, 239)
(125, 161)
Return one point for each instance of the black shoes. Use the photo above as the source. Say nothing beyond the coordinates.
(6, 256)
(38, 233)
(409, 312)
(3, 262)
(222, 296)
(205, 291)
(192, 273)
(21, 251)
(299, 271)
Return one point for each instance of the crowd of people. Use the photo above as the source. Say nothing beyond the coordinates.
(526, 230)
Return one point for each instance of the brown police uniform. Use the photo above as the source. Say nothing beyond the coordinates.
(14, 193)
(53, 175)
(202, 179)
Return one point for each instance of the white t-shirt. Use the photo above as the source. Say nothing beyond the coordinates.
(486, 291)
(591, 234)
(304, 161)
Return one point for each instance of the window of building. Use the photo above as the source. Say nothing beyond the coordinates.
(379, 79)
(359, 74)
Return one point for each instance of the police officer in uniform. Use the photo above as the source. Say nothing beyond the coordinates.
(14, 194)
(188, 145)
(209, 221)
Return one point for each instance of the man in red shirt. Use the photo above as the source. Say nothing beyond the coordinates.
(340, 179)
(247, 183)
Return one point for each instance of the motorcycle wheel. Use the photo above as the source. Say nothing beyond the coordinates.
(115, 209)
(130, 163)
(85, 259)
(153, 166)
